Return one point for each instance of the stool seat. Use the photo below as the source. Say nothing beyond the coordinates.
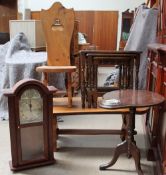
(56, 69)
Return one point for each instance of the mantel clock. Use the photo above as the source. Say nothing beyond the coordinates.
(30, 106)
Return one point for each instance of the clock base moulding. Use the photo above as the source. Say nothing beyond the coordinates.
(23, 167)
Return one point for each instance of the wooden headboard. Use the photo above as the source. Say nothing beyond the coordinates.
(35, 15)
(100, 26)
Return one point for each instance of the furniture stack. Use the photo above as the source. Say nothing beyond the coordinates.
(156, 81)
(155, 123)
(124, 64)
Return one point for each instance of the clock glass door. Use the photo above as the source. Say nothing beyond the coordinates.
(31, 125)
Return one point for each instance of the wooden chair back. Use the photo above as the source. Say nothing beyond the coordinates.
(58, 26)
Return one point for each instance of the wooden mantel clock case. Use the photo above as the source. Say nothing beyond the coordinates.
(30, 106)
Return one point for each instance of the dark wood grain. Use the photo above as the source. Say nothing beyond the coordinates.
(132, 99)
(105, 30)
(8, 11)
(100, 27)
(155, 121)
(125, 27)
(86, 21)
(14, 95)
(161, 27)
(90, 60)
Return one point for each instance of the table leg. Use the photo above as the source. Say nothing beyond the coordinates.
(128, 146)
(120, 149)
(124, 126)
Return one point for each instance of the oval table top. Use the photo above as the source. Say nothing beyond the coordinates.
(130, 98)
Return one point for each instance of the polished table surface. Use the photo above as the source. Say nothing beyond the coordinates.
(61, 108)
(129, 99)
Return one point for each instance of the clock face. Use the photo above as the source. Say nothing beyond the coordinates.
(30, 107)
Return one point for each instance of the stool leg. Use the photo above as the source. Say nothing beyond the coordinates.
(45, 78)
(69, 89)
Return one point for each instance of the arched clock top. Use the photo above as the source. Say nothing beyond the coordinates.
(24, 84)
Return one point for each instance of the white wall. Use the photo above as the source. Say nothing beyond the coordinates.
(119, 5)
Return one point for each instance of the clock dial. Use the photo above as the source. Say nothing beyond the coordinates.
(30, 107)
